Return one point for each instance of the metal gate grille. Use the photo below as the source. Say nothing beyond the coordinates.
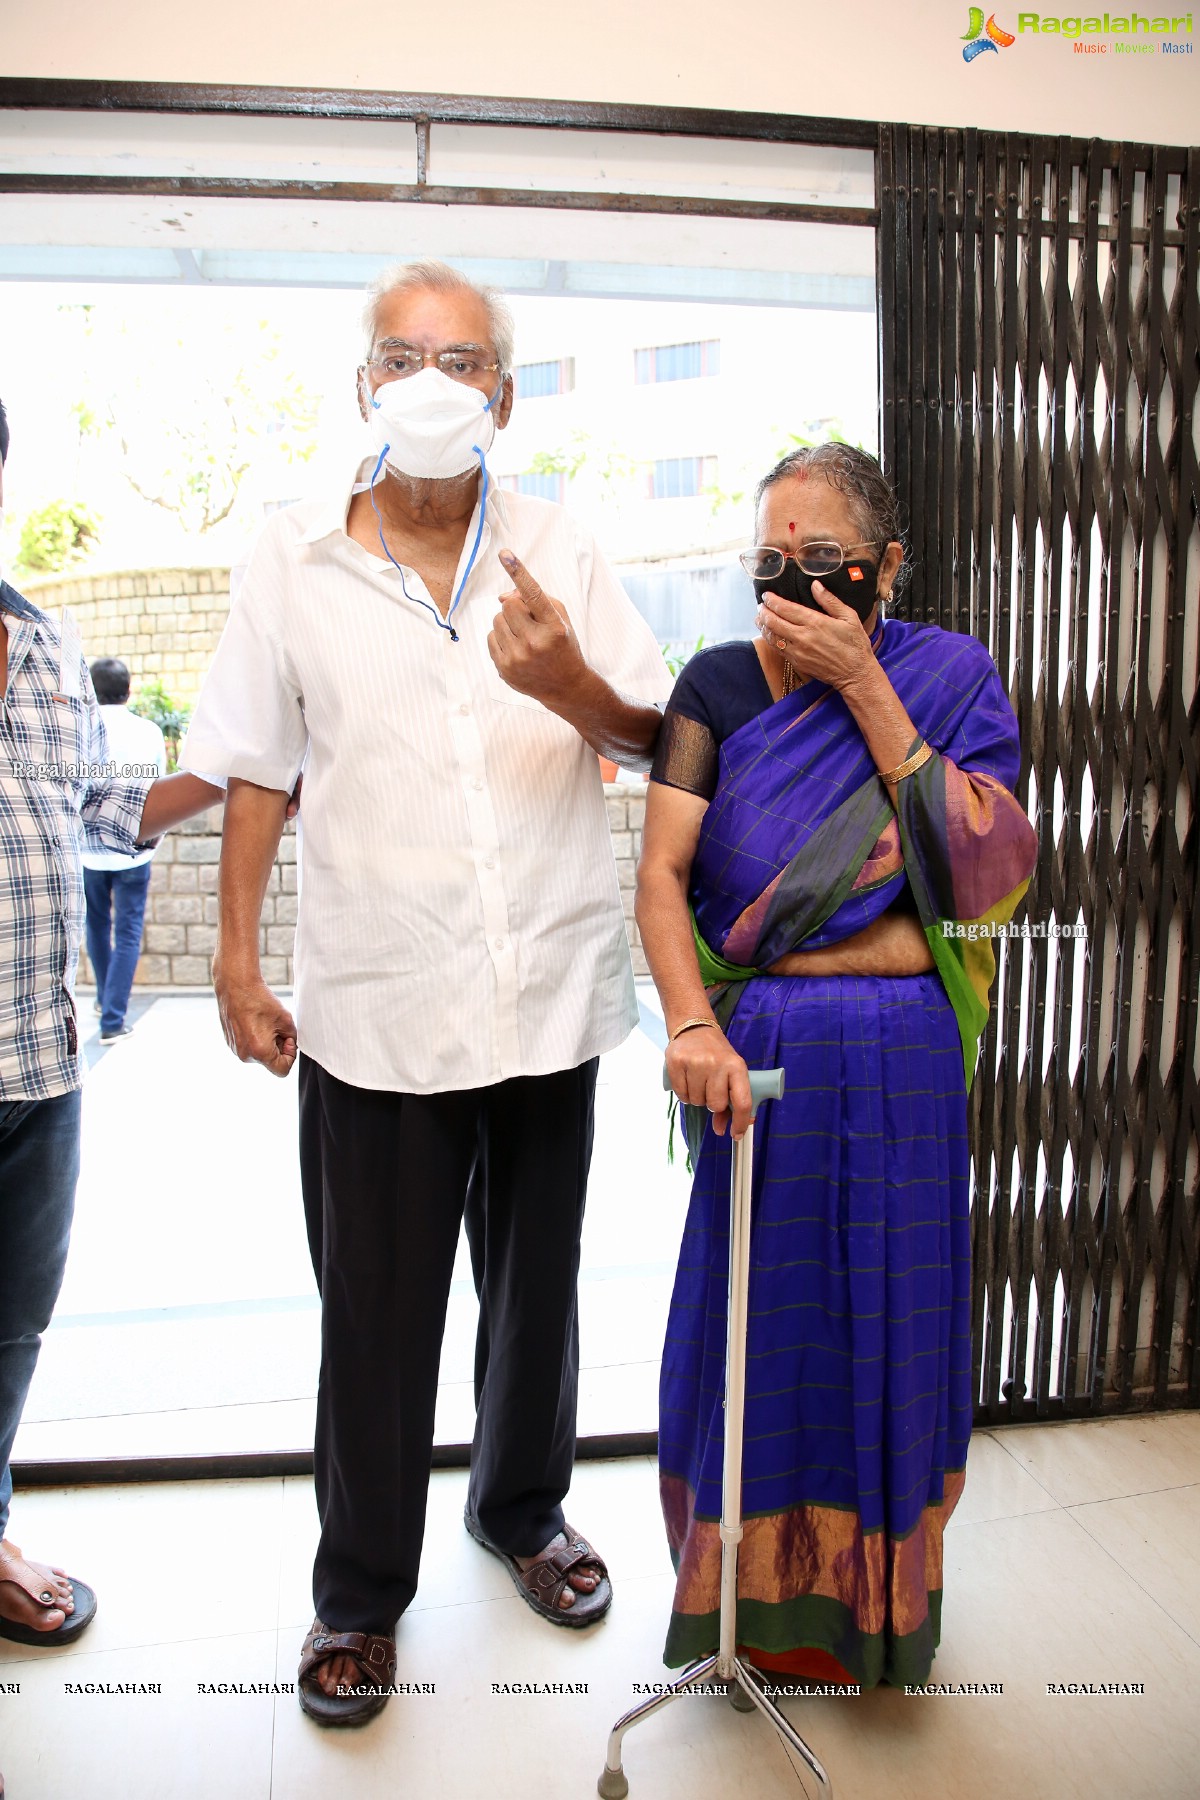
(1039, 352)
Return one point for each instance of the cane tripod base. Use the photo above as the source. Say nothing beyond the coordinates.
(729, 1672)
(745, 1693)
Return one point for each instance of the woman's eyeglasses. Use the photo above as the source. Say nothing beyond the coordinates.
(824, 557)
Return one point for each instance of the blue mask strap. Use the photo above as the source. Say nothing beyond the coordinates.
(483, 494)
(444, 624)
(415, 598)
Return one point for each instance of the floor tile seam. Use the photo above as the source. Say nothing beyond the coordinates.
(72, 1655)
(281, 1527)
(1024, 1468)
(1170, 1487)
(1130, 1576)
(1000, 1518)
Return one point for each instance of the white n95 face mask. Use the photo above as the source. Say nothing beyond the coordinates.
(429, 427)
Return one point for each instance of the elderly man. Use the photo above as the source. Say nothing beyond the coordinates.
(444, 660)
(58, 793)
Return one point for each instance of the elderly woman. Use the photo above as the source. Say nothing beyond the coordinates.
(825, 802)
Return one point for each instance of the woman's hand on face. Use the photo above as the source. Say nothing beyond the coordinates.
(830, 646)
(705, 1070)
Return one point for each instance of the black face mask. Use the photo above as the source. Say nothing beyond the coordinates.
(856, 583)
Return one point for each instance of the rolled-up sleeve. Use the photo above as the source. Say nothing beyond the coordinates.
(249, 719)
(110, 807)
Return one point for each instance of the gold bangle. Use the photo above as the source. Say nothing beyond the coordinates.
(909, 766)
(690, 1025)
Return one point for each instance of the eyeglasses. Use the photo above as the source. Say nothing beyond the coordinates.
(466, 362)
(763, 563)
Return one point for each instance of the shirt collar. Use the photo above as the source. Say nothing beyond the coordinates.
(17, 604)
(20, 607)
(331, 514)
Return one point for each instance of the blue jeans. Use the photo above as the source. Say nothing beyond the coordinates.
(39, 1166)
(116, 906)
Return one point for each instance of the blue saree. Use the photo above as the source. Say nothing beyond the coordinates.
(858, 1398)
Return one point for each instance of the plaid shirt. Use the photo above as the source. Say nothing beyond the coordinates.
(53, 800)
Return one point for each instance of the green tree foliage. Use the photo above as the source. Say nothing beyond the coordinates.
(171, 716)
(56, 535)
(612, 467)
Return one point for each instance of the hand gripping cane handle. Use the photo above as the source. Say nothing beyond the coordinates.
(765, 1084)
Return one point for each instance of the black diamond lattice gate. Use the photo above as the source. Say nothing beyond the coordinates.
(1039, 321)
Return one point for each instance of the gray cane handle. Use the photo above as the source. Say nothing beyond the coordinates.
(765, 1084)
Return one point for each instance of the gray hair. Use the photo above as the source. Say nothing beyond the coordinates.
(439, 278)
(853, 473)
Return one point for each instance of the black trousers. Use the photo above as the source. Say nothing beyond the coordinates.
(387, 1178)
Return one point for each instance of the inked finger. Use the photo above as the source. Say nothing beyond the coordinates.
(530, 590)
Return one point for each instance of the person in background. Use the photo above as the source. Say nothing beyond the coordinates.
(54, 799)
(116, 886)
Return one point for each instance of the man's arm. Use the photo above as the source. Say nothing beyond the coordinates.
(536, 651)
(172, 799)
(257, 1027)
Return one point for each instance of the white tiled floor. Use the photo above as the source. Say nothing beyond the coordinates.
(1073, 1558)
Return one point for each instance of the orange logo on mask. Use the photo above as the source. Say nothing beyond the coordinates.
(855, 574)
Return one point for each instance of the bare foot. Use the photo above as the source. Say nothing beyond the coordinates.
(339, 1671)
(584, 1581)
(55, 1599)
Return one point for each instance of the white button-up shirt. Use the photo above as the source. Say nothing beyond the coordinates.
(460, 920)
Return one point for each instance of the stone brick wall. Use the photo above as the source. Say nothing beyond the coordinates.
(181, 914)
(626, 803)
(164, 624)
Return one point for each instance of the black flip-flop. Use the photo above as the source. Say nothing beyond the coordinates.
(73, 1626)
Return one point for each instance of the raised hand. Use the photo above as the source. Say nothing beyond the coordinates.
(830, 646)
(532, 642)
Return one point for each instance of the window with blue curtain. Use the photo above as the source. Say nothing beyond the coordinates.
(681, 477)
(533, 381)
(677, 362)
(533, 481)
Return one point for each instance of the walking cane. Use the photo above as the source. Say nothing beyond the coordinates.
(745, 1690)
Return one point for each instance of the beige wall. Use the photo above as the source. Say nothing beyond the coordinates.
(872, 59)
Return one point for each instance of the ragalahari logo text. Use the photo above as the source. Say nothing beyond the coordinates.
(979, 37)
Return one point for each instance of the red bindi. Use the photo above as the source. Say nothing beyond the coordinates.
(792, 526)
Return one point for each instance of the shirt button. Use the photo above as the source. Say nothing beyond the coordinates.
(499, 943)
(464, 709)
(489, 862)
(477, 784)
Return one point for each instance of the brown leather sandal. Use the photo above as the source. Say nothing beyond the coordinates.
(375, 1655)
(32, 1581)
(541, 1584)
